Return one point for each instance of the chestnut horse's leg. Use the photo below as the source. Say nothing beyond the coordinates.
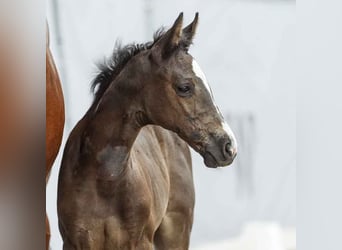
(47, 239)
(54, 118)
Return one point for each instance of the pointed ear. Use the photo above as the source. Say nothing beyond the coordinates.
(189, 33)
(170, 40)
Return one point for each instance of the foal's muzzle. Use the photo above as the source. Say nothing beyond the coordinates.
(220, 151)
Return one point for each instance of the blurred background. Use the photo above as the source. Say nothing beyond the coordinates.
(247, 50)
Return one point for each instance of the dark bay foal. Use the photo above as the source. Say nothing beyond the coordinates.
(126, 175)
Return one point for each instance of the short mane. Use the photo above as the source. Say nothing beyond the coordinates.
(112, 66)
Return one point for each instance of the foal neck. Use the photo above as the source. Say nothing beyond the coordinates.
(112, 130)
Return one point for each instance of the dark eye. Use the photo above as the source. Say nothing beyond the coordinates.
(184, 89)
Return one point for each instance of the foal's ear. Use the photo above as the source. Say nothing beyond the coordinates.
(189, 33)
(170, 40)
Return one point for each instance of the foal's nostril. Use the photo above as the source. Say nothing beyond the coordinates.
(229, 150)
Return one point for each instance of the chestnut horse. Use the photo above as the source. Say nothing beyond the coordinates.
(54, 117)
(126, 176)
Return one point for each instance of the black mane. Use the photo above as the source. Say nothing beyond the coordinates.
(112, 66)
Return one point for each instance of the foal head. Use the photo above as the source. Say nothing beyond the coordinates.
(177, 96)
(161, 83)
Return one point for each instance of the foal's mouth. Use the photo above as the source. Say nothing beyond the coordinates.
(209, 160)
(217, 153)
(212, 162)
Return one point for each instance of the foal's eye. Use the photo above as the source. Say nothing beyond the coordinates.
(184, 90)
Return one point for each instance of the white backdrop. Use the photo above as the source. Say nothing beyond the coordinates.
(246, 49)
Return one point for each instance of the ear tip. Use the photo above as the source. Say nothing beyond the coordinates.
(179, 18)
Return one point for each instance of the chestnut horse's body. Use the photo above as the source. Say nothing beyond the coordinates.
(54, 117)
(126, 177)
